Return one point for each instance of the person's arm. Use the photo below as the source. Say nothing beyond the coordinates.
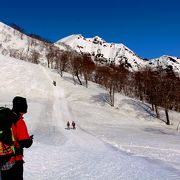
(25, 143)
(23, 137)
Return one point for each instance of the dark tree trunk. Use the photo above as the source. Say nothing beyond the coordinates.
(86, 83)
(152, 106)
(157, 112)
(79, 79)
(61, 73)
(167, 117)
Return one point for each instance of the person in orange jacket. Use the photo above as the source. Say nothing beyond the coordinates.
(13, 169)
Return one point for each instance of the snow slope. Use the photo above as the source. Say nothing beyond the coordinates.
(17, 44)
(96, 46)
(125, 142)
(166, 62)
(114, 53)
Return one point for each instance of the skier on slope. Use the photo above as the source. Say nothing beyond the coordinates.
(68, 125)
(73, 125)
(54, 83)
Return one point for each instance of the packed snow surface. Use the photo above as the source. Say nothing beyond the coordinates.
(123, 142)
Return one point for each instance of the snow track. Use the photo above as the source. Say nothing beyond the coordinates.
(76, 154)
(61, 154)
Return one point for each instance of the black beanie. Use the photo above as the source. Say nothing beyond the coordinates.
(19, 105)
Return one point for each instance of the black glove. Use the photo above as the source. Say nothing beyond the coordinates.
(26, 143)
(32, 136)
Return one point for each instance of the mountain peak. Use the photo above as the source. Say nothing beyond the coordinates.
(79, 36)
(98, 39)
(68, 39)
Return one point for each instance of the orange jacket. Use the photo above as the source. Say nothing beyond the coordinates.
(21, 134)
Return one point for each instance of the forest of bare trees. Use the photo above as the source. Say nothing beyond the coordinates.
(160, 88)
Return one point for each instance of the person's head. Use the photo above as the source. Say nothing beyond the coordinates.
(20, 105)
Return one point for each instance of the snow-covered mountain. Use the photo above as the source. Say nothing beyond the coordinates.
(13, 43)
(110, 52)
(16, 44)
(166, 62)
(116, 53)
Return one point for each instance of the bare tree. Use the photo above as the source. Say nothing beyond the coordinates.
(152, 88)
(35, 57)
(76, 67)
(62, 61)
(88, 67)
(107, 77)
(139, 85)
(52, 55)
(168, 93)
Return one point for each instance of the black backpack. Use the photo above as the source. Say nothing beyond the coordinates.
(7, 150)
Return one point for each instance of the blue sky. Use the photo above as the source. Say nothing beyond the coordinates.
(150, 28)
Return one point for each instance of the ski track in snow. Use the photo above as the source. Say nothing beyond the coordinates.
(77, 155)
(58, 153)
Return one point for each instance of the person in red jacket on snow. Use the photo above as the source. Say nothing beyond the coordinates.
(21, 140)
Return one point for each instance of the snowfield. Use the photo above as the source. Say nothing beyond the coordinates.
(124, 142)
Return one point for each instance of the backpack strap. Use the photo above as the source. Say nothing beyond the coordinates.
(15, 118)
(13, 148)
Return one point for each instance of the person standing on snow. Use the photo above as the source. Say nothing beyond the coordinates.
(68, 125)
(73, 125)
(21, 140)
(54, 83)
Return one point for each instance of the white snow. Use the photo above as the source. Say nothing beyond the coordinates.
(16, 44)
(124, 142)
(166, 61)
(113, 52)
(96, 45)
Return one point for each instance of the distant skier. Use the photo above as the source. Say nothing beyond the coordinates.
(68, 125)
(54, 83)
(73, 125)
